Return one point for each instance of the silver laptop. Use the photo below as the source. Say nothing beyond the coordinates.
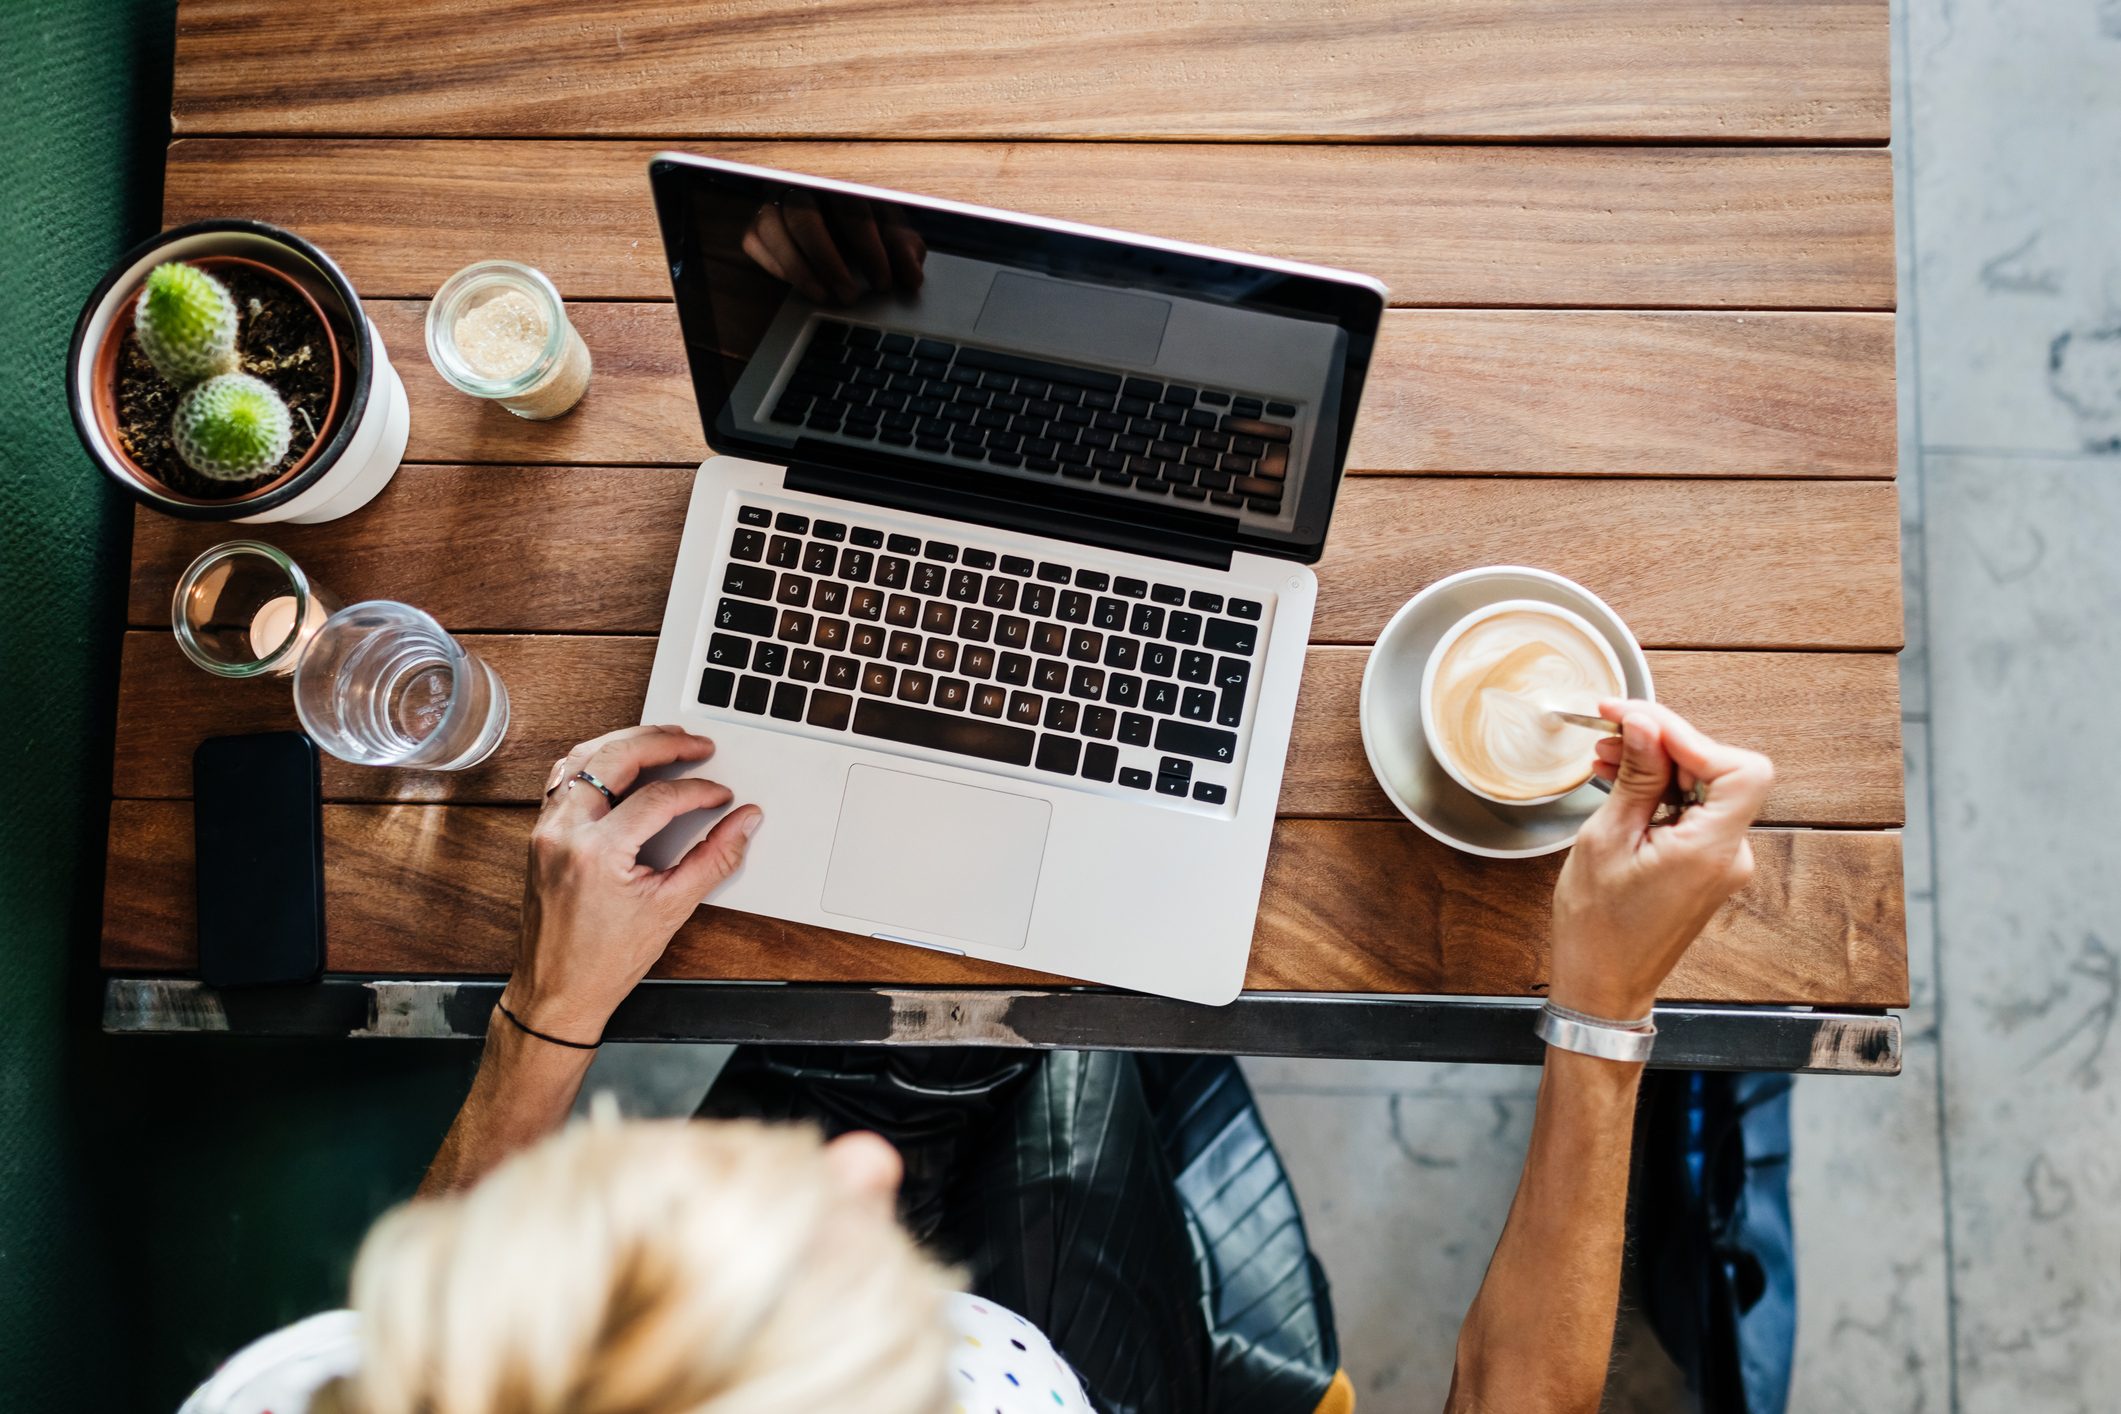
(995, 595)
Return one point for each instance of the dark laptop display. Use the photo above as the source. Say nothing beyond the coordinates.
(1111, 387)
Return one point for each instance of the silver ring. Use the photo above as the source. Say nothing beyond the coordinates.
(585, 776)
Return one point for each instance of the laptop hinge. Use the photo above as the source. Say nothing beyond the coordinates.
(960, 503)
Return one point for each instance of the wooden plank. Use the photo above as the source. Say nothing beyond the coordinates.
(1688, 564)
(1786, 69)
(1830, 720)
(1444, 227)
(1348, 906)
(1468, 391)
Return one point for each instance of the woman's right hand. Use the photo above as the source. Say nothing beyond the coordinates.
(1634, 894)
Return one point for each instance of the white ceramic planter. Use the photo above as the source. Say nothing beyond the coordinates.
(368, 440)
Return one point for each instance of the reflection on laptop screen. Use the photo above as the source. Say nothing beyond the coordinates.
(1154, 383)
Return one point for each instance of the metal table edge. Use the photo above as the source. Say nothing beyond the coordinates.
(1335, 1025)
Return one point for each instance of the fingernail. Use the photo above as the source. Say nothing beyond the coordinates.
(1636, 733)
(750, 826)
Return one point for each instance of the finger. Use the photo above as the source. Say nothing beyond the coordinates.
(618, 764)
(1639, 783)
(785, 256)
(1607, 749)
(1605, 771)
(807, 224)
(708, 864)
(855, 224)
(1737, 780)
(578, 756)
(907, 250)
(655, 805)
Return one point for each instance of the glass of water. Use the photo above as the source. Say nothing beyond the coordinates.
(382, 684)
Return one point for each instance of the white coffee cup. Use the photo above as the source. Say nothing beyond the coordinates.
(1441, 748)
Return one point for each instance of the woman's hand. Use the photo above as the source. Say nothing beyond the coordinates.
(1634, 894)
(594, 918)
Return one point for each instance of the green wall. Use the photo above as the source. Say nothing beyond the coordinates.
(161, 1201)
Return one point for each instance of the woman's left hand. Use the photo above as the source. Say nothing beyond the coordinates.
(595, 919)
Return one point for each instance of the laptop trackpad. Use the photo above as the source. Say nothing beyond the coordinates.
(935, 857)
(1064, 319)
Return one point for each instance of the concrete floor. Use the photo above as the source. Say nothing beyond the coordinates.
(1959, 1228)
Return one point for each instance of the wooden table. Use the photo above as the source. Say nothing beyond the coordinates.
(1641, 254)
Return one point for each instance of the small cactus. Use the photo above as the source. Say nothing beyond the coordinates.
(187, 323)
(231, 427)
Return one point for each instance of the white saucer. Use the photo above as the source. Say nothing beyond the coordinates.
(1391, 715)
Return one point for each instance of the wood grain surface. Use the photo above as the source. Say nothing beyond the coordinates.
(1348, 906)
(1785, 69)
(1687, 564)
(1831, 721)
(1572, 392)
(1676, 227)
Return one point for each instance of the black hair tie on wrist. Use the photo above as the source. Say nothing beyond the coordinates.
(554, 1040)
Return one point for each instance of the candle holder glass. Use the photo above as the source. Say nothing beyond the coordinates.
(497, 330)
(383, 684)
(245, 610)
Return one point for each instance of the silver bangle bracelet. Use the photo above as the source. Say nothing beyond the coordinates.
(1571, 1014)
(1604, 1039)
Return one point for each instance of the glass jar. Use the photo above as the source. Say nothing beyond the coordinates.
(244, 610)
(498, 330)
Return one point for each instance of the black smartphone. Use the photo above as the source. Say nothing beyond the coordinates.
(258, 822)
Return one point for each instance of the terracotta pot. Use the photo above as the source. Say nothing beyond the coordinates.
(363, 438)
(104, 381)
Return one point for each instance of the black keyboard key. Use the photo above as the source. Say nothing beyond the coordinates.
(891, 572)
(793, 591)
(1195, 666)
(1142, 388)
(1074, 607)
(806, 665)
(979, 559)
(878, 679)
(791, 522)
(1230, 708)
(1000, 593)
(1130, 588)
(747, 545)
(1281, 409)
(914, 686)
(1197, 704)
(1229, 636)
(1016, 565)
(788, 701)
(976, 662)
(1109, 615)
(1087, 683)
(938, 617)
(738, 616)
(866, 538)
(794, 626)
(1061, 714)
(1099, 761)
(1134, 728)
(1172, 785)
(1189, 739)
(1094, 580)
(1059, 754)
(1124, 689)
(1049, 638)
(943, 731)
(964, 586)
(1122, 653)
(1011, 631)
(820, 558)
(1050, 675)
(716, 685)
(867, 641)
(866, 604)
(940, 655)
(1160, 659)
(1025, 708)
(748, 582)
(1014, 669)
(904, 648)
(1162, 697)
(1148, 621)
(1209, 793)
(940, 550)
(830, 710)
(1231, 674)
(754, 515)
(903, 544)
(1183, 628)
(989, 700)
(831, 635)
(1204, 601)
(1137, 779)
(855, 565)
(828, 530)
(1245, 609)
(769, 658)
(987, 359)
(843, 673)
(783, 551)
(902, 611)
(1037, 599)
(752, 695)
(975, 624)
(1085, 645)
(1168, 594)
(928, 578)
(1099, 722)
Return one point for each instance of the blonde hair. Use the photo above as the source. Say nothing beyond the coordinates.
(666, 1267)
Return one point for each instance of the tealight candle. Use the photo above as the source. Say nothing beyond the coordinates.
(275, 620)
(244, 609)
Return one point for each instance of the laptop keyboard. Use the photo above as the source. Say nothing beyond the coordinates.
(1044, 665)
(1164, 440)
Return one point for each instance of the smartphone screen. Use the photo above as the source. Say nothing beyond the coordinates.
(258, 822)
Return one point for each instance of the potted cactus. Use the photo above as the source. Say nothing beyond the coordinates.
(226, 371)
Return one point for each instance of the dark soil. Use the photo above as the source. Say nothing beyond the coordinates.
(278, 339)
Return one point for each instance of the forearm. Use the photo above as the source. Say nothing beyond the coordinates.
(523, 1091)
(1540, 1333)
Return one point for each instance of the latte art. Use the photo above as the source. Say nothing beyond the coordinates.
(1490, 696)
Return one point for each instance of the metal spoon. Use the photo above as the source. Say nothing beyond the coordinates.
(1577, 719)
(1673, 796)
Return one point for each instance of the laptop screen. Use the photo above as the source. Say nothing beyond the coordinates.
(1106, 377)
